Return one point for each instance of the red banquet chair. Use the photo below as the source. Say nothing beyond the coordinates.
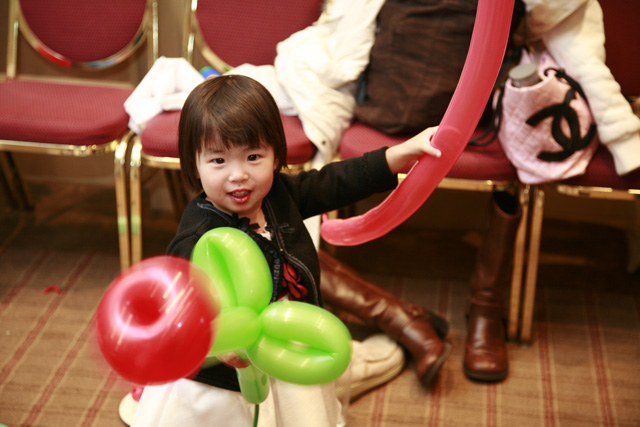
(224, 34)
(73, 117)
(600, 180)
(483, 169)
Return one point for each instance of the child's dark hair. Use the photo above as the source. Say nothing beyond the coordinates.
(226, 111)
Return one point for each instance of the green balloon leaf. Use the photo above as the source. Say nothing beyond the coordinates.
(287, 340)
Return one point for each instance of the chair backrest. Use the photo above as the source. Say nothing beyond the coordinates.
(86, 34)
(622, 42)
(230, 33)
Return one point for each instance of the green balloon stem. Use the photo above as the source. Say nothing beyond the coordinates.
(255, 415)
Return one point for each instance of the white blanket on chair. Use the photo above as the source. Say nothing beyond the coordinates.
(573, 32)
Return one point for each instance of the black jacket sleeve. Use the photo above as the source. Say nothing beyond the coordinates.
(340, 184)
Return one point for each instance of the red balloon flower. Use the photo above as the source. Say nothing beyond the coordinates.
(154, 323)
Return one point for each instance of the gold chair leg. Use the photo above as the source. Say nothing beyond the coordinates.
(135, 201)
(633, 240)
(120, 173)
(518, 264)
(177, 192)
(532, 264)
(4, 182)
(17, 191)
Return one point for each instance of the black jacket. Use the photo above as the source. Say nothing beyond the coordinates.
(290, 200)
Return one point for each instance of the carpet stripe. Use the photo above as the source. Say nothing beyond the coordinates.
(378, 407)
(491, 405)
(60, 373)
(99, 400)
(434, 404)
(545, 362)
(598, 358)
(26, 277)
(436, 393)
(39, 326)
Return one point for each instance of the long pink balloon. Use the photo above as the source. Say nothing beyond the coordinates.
(486, 51)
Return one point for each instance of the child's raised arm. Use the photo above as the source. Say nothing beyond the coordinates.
(400, 155)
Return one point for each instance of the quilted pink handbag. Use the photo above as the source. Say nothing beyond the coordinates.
(546, 130)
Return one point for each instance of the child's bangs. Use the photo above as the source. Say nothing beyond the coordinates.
(218, 134)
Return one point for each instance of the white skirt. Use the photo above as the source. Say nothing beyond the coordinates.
(190, 403)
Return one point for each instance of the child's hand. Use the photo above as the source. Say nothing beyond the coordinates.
(233, 360)
(400, 155)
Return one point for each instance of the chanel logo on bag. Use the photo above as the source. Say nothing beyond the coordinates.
(542, 120)
(558, 112)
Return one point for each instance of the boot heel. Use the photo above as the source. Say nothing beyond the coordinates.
(440, 325)
(430, 375)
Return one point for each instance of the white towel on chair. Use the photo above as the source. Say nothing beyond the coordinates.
(164, 88)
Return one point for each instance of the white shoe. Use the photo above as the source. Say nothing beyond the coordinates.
(374, 361)
(129, 404)
(127, 409)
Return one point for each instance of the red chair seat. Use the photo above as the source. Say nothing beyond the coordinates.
(299, 148)
(62, 113)
(601, 172)
(477, 163)
(160, 138)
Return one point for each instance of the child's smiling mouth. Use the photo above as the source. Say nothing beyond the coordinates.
(240, 196)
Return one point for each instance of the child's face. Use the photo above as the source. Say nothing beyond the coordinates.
(236, 180)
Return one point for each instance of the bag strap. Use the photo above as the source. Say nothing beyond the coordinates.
(561, 73)
(491, 132)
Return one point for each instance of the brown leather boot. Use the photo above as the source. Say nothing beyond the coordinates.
(420, 332)
(485, 357)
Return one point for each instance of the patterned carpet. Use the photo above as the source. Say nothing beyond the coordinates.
(581, 369)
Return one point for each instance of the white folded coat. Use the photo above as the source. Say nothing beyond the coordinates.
(315, 71)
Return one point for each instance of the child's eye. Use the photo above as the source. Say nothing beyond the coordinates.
(253, 157)
(218, 161)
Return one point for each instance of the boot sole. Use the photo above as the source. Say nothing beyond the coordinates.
(485, 376)
(433, 372)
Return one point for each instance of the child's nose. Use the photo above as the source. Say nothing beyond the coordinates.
(238, 173)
